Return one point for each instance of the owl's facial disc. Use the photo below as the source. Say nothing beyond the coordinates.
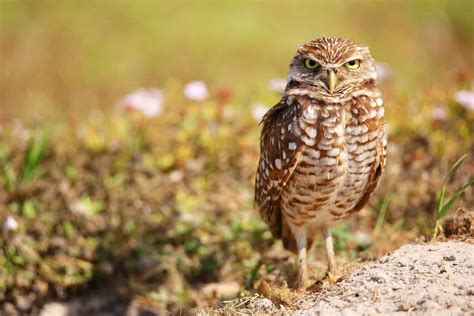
(330, 68)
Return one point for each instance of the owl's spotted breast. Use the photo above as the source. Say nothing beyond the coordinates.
(319, 162)
(342, 146)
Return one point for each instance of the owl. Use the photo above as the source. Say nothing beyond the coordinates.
(322, 146)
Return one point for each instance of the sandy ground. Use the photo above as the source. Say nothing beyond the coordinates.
(417, 279)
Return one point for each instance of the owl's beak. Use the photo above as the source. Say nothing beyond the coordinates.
(332, 81)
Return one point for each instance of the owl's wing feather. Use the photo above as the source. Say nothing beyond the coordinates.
(281, 151)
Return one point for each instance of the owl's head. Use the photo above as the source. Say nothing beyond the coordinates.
(331, 67)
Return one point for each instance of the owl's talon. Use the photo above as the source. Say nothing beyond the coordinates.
(330, 278)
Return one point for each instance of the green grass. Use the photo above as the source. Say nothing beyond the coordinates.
(34, 155)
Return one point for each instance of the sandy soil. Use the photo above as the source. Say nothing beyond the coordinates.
(417, 279)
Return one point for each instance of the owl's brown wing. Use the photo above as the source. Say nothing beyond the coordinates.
(280, 152)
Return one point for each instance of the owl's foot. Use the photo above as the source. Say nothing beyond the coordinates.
(330, 277)
(302, 281)
(330, 251)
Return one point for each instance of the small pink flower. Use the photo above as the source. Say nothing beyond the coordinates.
(196, 90)
(438, 113)
(147, 101)
(277, 85)
(10, 224)
(465, 98)
(176, 176)
(21, 132)
(259, 110)
(383, 71)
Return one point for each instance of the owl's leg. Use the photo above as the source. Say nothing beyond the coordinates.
(301, 243)
(330, 250)
(330, 276)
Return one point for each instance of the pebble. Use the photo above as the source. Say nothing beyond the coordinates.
(449, 258)
(263, 304)
(9, 310)
(24, 302)
(54, 309)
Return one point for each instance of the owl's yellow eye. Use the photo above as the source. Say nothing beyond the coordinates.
(353, 64)
(310, 63)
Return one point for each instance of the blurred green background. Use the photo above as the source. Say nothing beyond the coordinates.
(82, 55)
(155, 212)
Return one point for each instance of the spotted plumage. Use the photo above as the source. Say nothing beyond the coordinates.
(322, 146)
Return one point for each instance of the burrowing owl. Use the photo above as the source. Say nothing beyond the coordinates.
(322, 146)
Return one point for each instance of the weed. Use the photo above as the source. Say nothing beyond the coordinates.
(442, 207)
(382, 213)
(34, 155)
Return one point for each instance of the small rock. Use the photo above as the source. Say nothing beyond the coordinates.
(9, 310)
(430, 306)
(262, 303)
(41, 288)
(54, 309)
(24, 302)
(443, 269)
(404, 307)
(396, 287)
(449, 258)
(22, 281)
(402, 264)
(378, 277)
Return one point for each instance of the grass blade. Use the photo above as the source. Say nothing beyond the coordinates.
(34, 156)
(454, 167)
(444, 210)
(382, 214)
(442, 192)
(441, 199)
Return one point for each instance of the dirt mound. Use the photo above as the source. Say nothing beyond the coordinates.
(422, 279)
(419, 278)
